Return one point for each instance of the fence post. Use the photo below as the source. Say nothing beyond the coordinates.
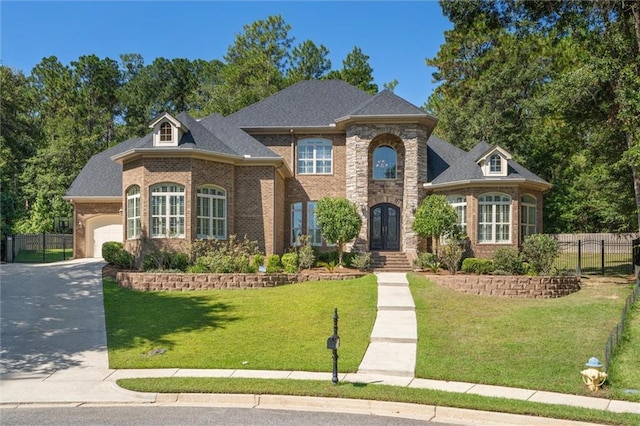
(44, 245)
(602, 256)
(64, 249)
(579, 258)
(9, 250)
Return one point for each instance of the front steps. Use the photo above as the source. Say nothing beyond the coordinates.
(390, 261)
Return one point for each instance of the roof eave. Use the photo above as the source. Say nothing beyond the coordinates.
(329, 128)
(92, 199)
(425, 119)
(466, 183)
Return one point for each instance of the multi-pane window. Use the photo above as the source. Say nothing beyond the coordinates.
(211, 220)
(165, 132)
(384, 163)
(313, 229)
(167, 210)
(495, 164)
(296, 222)
(528, 216)
(459, 203)
(494, 218)
(315, 156)
(133, 212)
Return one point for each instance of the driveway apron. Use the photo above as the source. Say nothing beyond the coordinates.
(53, 343)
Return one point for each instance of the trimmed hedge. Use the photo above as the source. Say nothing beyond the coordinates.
(474, 265)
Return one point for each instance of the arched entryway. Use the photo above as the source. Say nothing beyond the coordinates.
(384, 229)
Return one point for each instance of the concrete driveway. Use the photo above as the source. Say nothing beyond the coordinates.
(53, 343)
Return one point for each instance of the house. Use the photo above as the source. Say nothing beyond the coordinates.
(259, 172)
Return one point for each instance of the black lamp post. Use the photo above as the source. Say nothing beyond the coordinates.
(333, 343)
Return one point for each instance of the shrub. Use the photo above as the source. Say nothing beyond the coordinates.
(327, 257)
(427, 261)
(110, 250)
(306, 257)
(216, 262)
(273, 263)
(164, 260)
(361, 261)
(290, 262)
(257, 261)
(540, 251)
(507, 259)
(451, 255)
(124, 259)
(331, 266)
(474, 265)
(231, 246)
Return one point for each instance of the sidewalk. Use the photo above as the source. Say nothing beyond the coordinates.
(65, 361)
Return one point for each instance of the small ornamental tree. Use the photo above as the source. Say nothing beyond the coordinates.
(339, 221)
(435, 217)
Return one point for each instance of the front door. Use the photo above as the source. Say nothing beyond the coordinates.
(385, 227)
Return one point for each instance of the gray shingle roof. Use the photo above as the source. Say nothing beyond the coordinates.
(386, 103)
(307, 103)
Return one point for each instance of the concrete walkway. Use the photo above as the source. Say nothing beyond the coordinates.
(392, 348)
(54, 351)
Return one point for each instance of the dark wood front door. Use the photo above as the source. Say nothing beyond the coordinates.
(384, 227)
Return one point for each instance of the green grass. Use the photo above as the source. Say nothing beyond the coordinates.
(50, 255)
(376, 392)
(624, 370)
(281, 328)
(528, 343)
(591, 263)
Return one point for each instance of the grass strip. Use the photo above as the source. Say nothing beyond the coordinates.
(374, 392)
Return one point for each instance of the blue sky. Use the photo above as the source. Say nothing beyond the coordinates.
(397, 36)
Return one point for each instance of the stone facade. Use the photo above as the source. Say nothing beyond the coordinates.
(188, 282)
(510, 286)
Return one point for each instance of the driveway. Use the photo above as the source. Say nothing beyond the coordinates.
(53, 344)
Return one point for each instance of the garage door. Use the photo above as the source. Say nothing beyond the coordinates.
(102, 229)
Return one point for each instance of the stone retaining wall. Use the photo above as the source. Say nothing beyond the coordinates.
(189, 282)
(511, 286)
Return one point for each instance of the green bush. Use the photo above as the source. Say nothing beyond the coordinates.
(327, 256)
(361, 261)
(451, 256)
(164, 260)
(474, 265)
(306, 257)
(290, 262)
(257, 261)
(110, 251)
(423, 260)
(124, 259)
(217, 263)
(507, 259)
(540, 251)
(273, 263)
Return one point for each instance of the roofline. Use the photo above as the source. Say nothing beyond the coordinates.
(92, 198)
(134, 153)
(426, 119)
(329, 128)
(541, 186)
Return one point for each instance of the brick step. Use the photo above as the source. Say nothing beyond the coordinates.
(390, 261)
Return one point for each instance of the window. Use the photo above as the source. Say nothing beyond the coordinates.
(313, 229)
(495, 164)
(133, 212)
(211, 219)
(167, 210)
(296, 222)
(528, 216)
(459, 203)
(384, 163)
(166, 132)
(315, 156)
(494, 218)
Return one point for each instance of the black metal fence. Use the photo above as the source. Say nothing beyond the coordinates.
(604, 254)
(39, 247)
(616, 334)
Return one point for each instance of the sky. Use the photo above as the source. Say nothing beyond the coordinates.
(397, 36)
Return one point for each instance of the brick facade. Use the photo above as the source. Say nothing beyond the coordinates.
(83, 213)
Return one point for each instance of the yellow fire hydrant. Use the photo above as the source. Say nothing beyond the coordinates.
(592, 376)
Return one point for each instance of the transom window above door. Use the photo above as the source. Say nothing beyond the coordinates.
(315, 156)
(384, 163)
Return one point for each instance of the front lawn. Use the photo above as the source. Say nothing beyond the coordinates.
(281, 328)
(50, 255)
(528, 343)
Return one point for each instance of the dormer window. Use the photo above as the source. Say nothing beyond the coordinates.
(495, 164)
(166, 132)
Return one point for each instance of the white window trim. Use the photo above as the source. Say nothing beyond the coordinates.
(461, 209)
(211, 218)
(311, 220)
(157, 131)
(493, 223)
(296, 209)
(133, 220)
(167, 216)
(315, 142)
(528, 205)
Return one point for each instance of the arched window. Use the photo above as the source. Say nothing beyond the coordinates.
(166, 132)
(384, 163)
(459, 203)
(315, 156)
(528, 216)
(167, 210)
(495, 163)
(133, 212)
(212, 212)
(494, 218)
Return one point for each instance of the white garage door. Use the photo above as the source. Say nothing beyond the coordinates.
(103, 229)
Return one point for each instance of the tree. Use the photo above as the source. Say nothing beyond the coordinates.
(339, 221)
(435, 218)
(356, 71)
(308, 62)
